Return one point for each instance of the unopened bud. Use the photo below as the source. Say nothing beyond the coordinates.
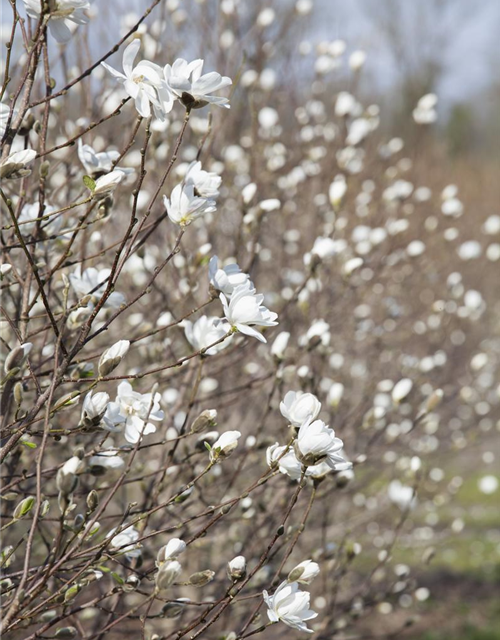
(206, 420)
(92, 500)
(23, 507)
(201, 578)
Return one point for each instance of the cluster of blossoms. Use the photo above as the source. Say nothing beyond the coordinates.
(149, 85)
(316, 450)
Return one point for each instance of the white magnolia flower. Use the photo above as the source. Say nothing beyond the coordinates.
(324, 248)
(144, 83)
(290, 605)
(16, 164)
(171, 550)
(287, 462)
(167, 574)
(125, 542)
(225, 279)
(194, 90)
(337, 190)
(63, 16)
(402, 495)
(107, 459)
(280, 344)
(204, 332)
(401, 390)
(135, 408)
(206, 183)
(245, 309)
(425, 111)
(298, 407)
(94, 407)
(224, 445)
(335, 393)
(105, 185)
(304, 573)
(316, 443)
(31, 212)
(184, 206)
(290, 465)
(96, 162)
(93, 282)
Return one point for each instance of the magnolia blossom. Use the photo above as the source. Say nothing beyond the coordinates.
(184, 206)
(290, 465)
(93, 282)
(64, 14)
(280, 344)
(143, 83)
(167, 574)
(112, 357)
(125, 542)
(316, 443)
(204, 332)
(304, 573)
(402, 495)
(16, 164)
(290, 605)
(401, 390)
(245, 308)
(298, 407)
(105, 185)
(225, 279)
(94, 407)
(171, 550)
(107, 460)
(206, 183)
(224, 445)
(337, 190)
(96, 163)
(195, 90)
(134, 409)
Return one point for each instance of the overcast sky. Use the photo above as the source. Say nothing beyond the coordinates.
(472, 28)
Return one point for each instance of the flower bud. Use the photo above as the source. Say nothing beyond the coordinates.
(92, 500)
(94, 408)
(112, 357)
(174, 609)
(237, 568)
(23, 507)
(224, 446)
(167, 574)
(17, 357)
(206, 420)
(66, 479)
(65, 633)
(171, 550)
(201, 578)
(433, 400)
(305, 572)
(106, 184)
(401, 390)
